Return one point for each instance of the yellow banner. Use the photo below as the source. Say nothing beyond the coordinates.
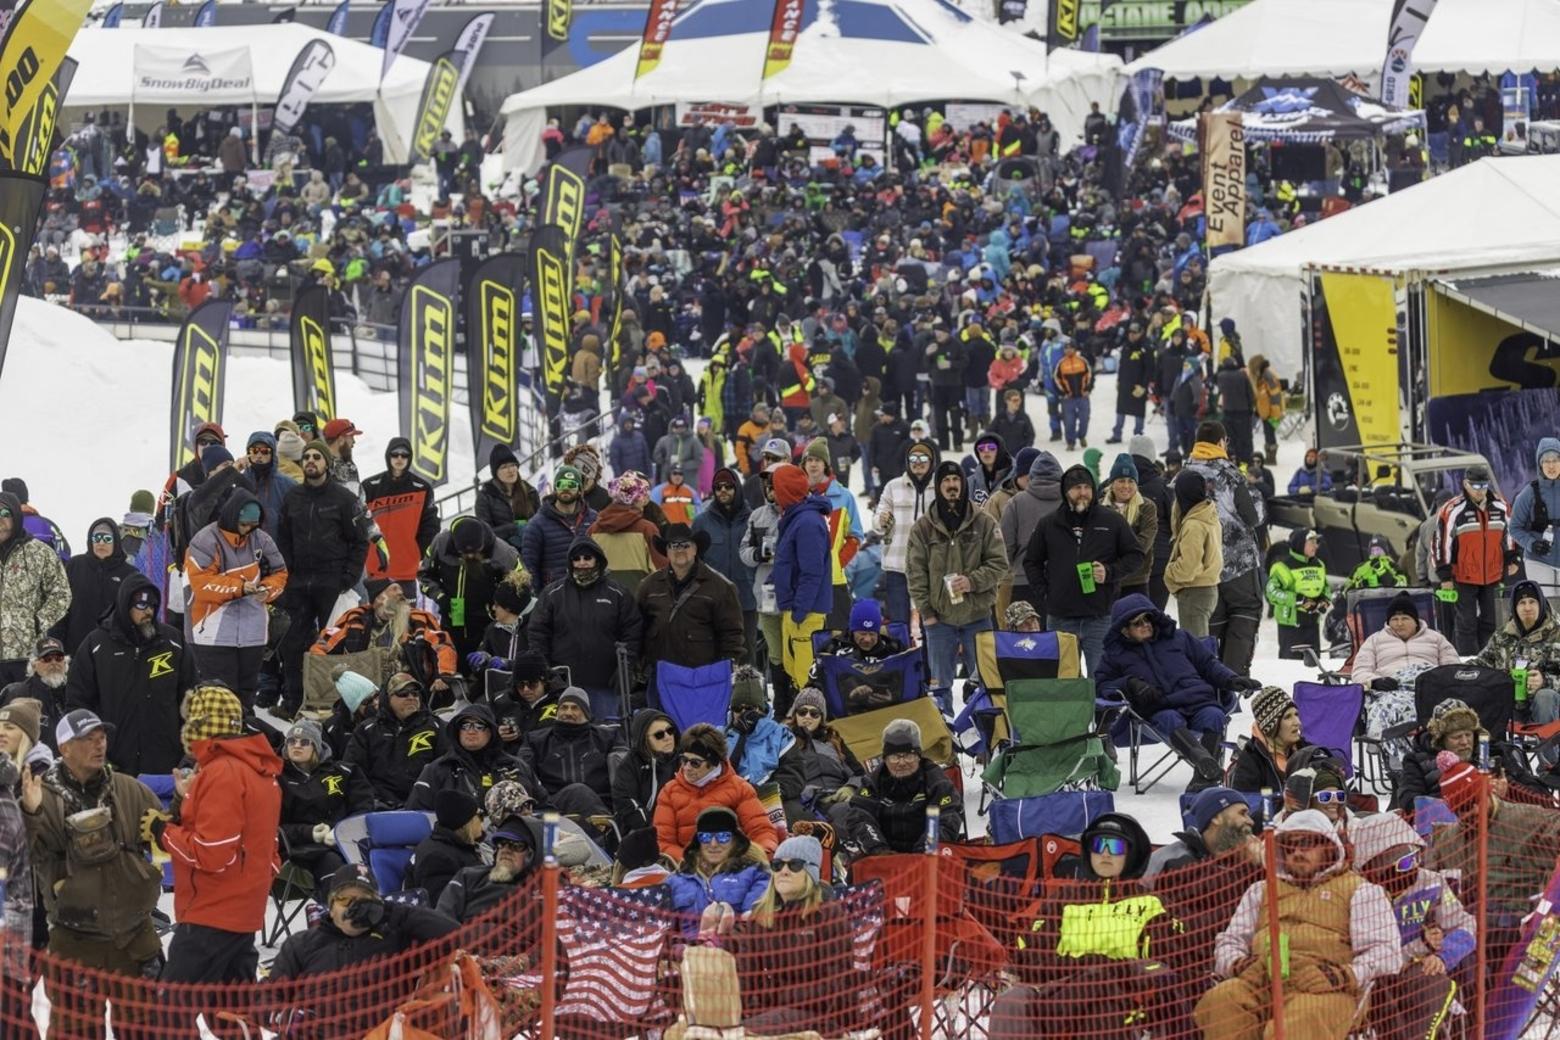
(1470, 351)
(438, 93)
(1224, 179)
(433, 359)
(1363, 313)
(35, 44)
(783, 31)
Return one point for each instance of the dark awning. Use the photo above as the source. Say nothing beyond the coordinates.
(1531, 301)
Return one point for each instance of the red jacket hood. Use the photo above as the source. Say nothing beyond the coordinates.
(253, 750)
(617, 518)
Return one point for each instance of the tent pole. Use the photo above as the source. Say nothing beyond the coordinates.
(254, 129)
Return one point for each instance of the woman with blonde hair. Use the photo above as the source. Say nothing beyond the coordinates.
(19, 722)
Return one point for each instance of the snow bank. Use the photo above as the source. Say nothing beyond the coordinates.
(88, 414)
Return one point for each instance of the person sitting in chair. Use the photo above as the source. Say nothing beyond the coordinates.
(830, 772)
(866, 641)
(888, 813)
(1172, 679)
(1529, 641)
(756, 743)
(1387, 664)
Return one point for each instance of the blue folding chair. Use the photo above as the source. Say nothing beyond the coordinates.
(390, 839)
(901, 674)
(694, 695)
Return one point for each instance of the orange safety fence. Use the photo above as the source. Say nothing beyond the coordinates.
(1375, 932)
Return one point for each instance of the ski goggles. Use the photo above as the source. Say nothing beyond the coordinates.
(715, 837)
(1409, 863)
(1108, 845)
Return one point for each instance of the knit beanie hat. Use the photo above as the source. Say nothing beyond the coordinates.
(866, 616)
(1023, 460)
(1209, 803)
(810, 697)
(1269, 707)
(629, 488)
(818, 448)
(1142, 446)
(512, 596)
(211, 711)
(454, 808)
(213, 456)
(501, 455)
(142, 502)
(354, 689)
(567, 473)
(584, 458)
(308, 729)
(747, 689)
(317, 445)
(1124, 467)
(467, 535)
(26, 714)
(805, 848)
(289, 444)
(577, 697)
(790, 484)
(901, 735)
(1458, 779)
(638, 849)
(529, 666)
(1402, 603)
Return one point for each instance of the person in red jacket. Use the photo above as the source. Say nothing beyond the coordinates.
(706, 778)
(222, 841)
(401, 504)
(1473, 554)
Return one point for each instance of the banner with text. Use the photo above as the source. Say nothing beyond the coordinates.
(308, 71)
(493, 351)
(1409, 18)
(21, 195)
(181, 75)
(469, 44)
(618, 289)
(440, 93)
(35, 139)
(563, 193)
(784, 27)
(658, 29)
(313, 374)
(1354, 343)
(199, 375)
(1224, 179)
(552, 292)
(714, 113)
(1063, 24)
(557, 16)
(403, 19)
(426, 366)
(34, 45)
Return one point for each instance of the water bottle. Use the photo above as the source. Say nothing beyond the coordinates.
(1484, 752)
(550, 838)
(1268, 808)
(933, 814)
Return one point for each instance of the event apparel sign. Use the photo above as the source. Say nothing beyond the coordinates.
(1224, 179)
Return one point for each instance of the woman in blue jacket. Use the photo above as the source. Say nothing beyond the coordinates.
(720, 866)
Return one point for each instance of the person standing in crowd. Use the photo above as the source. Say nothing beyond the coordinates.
(905, 499)
(96, 879)
(34, 592)
(577, 617)
(1474, 554)
(1238, 402)
(1270, 402)
(692, 614)
(401, 505)
(1122, 495)
(1196, 554)
(94, 578)
(724, 521)
(625, 534)
(945, 357)
(1239, 610)
(340, 436)
(1076, 558)
(954, 562)
(48, 672)
(323, 538)
(232, 571)
(1535, 518)
(564, 516)
(462, 570)
(1297, 589)
(1038, 499)
(1074, 380)
(270, 483)
(1134, 373)
(802, 583)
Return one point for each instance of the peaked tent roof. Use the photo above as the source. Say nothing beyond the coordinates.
(106, 71)
(1308, 110)
(1497, 213)
(1338, 37)
(865, 52)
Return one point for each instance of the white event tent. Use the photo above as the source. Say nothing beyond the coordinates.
(863, 52)
(246, 64)
(1495, 215)
(1339, 37)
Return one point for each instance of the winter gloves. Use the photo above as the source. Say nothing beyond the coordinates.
(1384, 684)
(1245, 685)
(153, 823)
(322, 834)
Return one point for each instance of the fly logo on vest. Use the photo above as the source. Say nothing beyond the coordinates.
(418, 743)
(159, 665)
(333, 785)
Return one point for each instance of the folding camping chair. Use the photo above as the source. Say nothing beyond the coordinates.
(1490, 693)
(694, 695)
(1329, 718)
(863, 734)
(1056, 775)
(1365, 613)
(901, 676)
(1002, 656)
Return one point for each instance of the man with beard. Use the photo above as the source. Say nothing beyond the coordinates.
(133, 672)
(579, 617)
(475, 761)
(564, 516)
(517, 843)
(34, 595)
(94, 578)
(339, 436)
(464, 567)
(1076, 559)
(1221, 823)
(47, 673)
(400, 503)
(905, 499)
(271, 484)
(569, 758)
(388, 621)
(392, 748)
(323, 539)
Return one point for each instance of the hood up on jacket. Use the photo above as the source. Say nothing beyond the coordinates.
(117, 555)
(1546, 446)
(227, 518)
(119, 620)
(1045, 478)
(587, 543)
(639, 731)
(1311, 821)
(495, 747)
(1004, 461)
(19, 533)
(397, 444)
(1374, 834)
(1139, 848)
(1128, 607)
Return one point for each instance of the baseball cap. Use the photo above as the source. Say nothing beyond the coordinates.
(46, 646)
(340, 427)
(1477, 474)
(78, 724)
(352, 874)
(777, 448)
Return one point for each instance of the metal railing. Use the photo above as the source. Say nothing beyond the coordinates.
(463, 500)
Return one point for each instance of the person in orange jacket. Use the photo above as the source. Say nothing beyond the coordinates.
(706, 778)
(796, 383)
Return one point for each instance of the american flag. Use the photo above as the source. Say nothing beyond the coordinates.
(612, 942)
(863, 906)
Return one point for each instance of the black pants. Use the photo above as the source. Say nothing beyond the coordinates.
(948, 416)
(1475, 617)
(199, 953)
(1235, 619)
(1157, 590)
(309, 609)
(237, 666)
(1238, 426)
(1303, 633)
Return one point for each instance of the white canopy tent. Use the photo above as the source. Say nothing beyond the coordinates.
(1338, 37)
(1493, 215)
(107, 77)
(864, 52)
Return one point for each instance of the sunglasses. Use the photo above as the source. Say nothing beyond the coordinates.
(473, 726)
(259, 449)
(661, 734)
(505, 845)
(920, 458)
(795, 866)
(206, 442)
(1330, 797)
(299, 742)
(715, 837)
(680, 546)
(725, 487)
(1141, 619)
(103, 538)
(313, 456)
(1408, 864)
(1108, 845)
(52, 657)
(409, 692)
(400, 454)
(808, 713)
(695, 761)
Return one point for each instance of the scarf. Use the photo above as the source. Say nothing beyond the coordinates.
(952, 514)
(1202, 451)
(705, 780)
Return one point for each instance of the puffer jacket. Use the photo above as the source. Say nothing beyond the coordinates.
(223, 846)
(1385, 655)
(544, 547)
(1240, 512)
(1023, 514)
(638, 776)
(34, 594)
(94, 585)
(975, 550)
(803, 584)
(757, 754)
(1197, 551)
(628, 540)
(901, 504)
(678, 806)
(740, 887)
(1539, 646)
(1187, 674)
(1538, 500)
(726, 531)
(217, 565)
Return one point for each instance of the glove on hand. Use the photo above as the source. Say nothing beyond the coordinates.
(1385, 684)
(323, 834)
(153, 823)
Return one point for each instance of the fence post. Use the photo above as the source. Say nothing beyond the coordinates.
(549, 923)
(929, 933)
(1275, 944)
(1480, 995)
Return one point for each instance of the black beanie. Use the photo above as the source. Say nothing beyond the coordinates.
(454, 808)
(467, 535)
(500, 455)
(1190, 489)
(1402, 603)
(638, 849)
(511, 597)
(15, 486)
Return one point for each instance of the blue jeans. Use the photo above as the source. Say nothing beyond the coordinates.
(977, 403)
(1121, 420)
(942, 642)
(1207, 719)
(896, 596)
(1091, 636)
(1075, 418)
(1183, 434)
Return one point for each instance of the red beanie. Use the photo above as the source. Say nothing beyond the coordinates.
(790, 485)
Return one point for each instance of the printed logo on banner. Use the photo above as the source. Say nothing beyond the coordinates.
(551, 291)
(198, 379)
(498, 377)
(433, 324)
(442, 80)
(1067, 19)
(558, 14)
(195, 63)
(565, 202)
(316, 349)
(38, 133)
(1337, 410)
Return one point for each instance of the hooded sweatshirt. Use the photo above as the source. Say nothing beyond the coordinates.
(34, 594)
(1536, 646)
(904, 500)
(271, 483)
(1536, 512)
(1020, 516)
(983, 482)
(94, 583)
(219, 611)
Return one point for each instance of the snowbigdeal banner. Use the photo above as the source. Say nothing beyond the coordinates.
(469, 44)
(493, 351)
(35, 139)
(21, 194)
(313, 378)
(563, 192)
(1224, 179)
(426, 366)
(404, 17)
(439, 92)
(199, 373)
(783, 30)
(1409, 18)
(552, 289)
(658, 28)
(308, 71)
(33, 47)
(1354, 343)
(179, 75)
